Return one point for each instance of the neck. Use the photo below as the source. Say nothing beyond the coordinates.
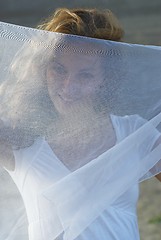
(77, 145)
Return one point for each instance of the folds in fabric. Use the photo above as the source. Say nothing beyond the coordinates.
(97, 105)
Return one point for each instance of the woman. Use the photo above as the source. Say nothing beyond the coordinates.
(72, 140)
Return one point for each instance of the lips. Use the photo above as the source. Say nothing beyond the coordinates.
(65, 98)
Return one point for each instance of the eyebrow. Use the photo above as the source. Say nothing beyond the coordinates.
(81, 70)
(86, 69)
(54, 61)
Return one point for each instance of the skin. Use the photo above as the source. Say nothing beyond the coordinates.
(158, 176)
(69, 86)
(73, 85)
(73, 82)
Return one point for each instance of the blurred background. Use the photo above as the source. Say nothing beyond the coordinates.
(141, 21)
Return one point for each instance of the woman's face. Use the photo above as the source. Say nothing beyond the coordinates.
(73, 80)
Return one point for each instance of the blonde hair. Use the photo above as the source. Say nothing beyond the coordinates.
(93, 23)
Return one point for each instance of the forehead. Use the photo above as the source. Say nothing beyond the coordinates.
(78, 61)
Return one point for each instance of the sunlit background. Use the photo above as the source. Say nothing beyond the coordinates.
(141, 20)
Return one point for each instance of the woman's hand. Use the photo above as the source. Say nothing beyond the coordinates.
(158, 176)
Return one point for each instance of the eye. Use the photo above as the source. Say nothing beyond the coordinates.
(58, 68)
(86, 75)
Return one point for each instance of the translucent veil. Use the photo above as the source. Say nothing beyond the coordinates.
(79, 125)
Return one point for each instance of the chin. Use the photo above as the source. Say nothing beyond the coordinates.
(66, 106)
(63, 107)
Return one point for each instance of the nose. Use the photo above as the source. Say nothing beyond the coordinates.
(70, 86)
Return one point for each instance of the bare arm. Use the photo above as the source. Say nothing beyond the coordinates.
(158, 176)
(12, 137)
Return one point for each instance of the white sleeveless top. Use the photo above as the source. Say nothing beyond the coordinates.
(37, 167)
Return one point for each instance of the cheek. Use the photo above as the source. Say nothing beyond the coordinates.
(91, 88)
(53, 81)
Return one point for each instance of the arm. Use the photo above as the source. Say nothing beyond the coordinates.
(12, 137)
(158, 176)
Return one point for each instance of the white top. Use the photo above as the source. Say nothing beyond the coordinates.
(37, 167)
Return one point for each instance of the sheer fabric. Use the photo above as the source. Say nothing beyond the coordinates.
(79, 127)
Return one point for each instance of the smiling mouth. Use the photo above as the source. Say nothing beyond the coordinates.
(65, 99)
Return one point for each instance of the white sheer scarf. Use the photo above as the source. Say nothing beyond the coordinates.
(65, 89)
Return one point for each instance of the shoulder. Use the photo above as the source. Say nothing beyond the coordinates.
(24, 156)
(30, 150)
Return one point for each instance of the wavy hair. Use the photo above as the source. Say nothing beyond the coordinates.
(93, 23)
